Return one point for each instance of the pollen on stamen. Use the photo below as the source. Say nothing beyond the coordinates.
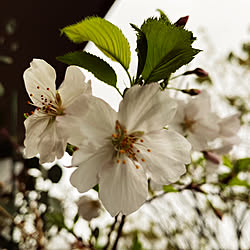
(123, 162)
(38, 87)
(27, 114)
(118, 161)
(137, 167)
(114, 135)
(122, 151)
(47, 88)
(149, 150)
(32, 112)
(143, 159)
(31, 94)
(28, 102)
(41, 95)
(138, 151)
(37, 108)
(141, 140)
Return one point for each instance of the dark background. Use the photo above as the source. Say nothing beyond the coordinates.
(31, 29)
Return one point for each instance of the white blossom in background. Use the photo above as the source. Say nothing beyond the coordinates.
(88, 208)
(195, 120)
(223, 144)
(129, 146)
(44, 134)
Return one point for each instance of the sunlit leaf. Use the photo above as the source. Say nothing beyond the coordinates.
(98, 67)
(105, 35)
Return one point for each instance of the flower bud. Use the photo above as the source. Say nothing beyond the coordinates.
(198, 71)
(88, 208)
(191, 91)
(211, 157)
(182, 21)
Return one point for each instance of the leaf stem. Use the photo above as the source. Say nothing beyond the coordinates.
(119, 91)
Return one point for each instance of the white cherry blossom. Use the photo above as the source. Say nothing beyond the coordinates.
(195, 120)
(44, 134)
(128, 147)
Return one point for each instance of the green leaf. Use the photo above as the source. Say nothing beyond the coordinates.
(169, 48)
(96, 188)
(242, 165)
(55, 173)
(169, 189)
(55, 218)
(76, 218)
(136, 243)
(238, 182)
(163, 15)
(105, 35)
(141, 50)
(98, 67)
(227, 162)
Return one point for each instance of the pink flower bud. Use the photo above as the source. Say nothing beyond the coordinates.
(182, 21)
(191, 91)
(198, 71)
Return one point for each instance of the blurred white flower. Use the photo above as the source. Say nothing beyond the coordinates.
(44, 134)
(128, 147)
(227, 138)
(195, 120)
(88, 208)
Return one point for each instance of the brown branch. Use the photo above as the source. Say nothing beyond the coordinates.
(119, 232)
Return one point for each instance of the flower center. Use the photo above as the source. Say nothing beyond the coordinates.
(188, 124)
(46, 102)
(125, 144)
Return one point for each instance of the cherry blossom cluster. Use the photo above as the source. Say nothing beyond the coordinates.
(150, 137)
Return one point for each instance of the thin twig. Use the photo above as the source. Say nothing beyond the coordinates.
(119, 233)
(110, 232)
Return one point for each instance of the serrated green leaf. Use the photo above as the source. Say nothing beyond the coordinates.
(242, 165)
(169, 189)
(163, 15)
(169, 48)
(98, 67)
(105, 35)
(141, 50)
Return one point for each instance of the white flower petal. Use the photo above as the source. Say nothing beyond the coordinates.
(230, 125)
(99, 122)
(39, 80)
(86, 175)
(70, 123)
(123, 188)
(35, 125)
(146, 108)
(169, 152)
(51, 145)
(73, 85)
(199, 106)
